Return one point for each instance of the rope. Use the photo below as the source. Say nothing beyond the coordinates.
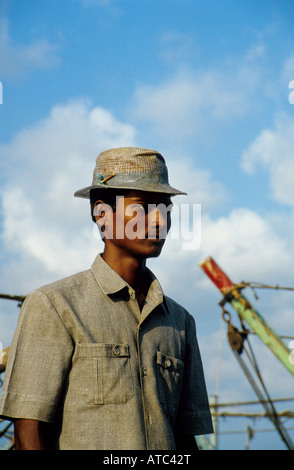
(270, 413)
(236, 340)
(225, 414)
(245, 403)
(260, 285)
(4, 431)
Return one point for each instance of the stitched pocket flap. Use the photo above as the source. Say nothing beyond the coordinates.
(168, 362)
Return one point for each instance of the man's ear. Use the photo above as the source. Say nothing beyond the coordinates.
(102, 212)
(99, 214)
(99, 210)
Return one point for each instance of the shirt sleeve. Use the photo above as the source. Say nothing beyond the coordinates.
(193, 415)
(38, 362)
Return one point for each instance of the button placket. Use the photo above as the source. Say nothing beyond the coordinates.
(132, 293)
(143, 374)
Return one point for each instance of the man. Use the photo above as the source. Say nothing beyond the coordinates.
(102, 359)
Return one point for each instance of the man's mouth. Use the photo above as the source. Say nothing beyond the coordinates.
(156, 236)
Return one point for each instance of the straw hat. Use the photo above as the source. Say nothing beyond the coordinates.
(130, 168)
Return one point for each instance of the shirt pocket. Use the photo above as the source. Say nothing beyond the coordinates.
(106, 376)
(169, 374)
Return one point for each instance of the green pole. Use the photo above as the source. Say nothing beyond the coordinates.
(259, 325)
(248, 313)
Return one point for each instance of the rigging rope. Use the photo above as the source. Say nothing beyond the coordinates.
(236, 340)
(260, 285)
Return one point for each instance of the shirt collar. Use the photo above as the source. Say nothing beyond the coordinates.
(108, 279)
(111, 282)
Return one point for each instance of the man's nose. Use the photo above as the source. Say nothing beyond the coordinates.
(157, 218)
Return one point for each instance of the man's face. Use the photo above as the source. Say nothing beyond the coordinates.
(140, 223)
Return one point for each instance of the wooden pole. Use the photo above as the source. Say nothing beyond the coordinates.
(247, 312)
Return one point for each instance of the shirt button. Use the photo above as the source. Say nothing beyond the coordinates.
(132, 294)
(145, 371)
(167, 363)
(116, 350)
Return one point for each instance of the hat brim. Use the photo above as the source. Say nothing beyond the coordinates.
(152, 188)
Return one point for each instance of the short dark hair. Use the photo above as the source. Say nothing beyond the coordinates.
(108, 196)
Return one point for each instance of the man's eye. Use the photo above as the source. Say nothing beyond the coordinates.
(133, 209)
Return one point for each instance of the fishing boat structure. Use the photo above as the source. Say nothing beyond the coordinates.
(251, 322)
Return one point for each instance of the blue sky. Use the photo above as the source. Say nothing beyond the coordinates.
(204, 82)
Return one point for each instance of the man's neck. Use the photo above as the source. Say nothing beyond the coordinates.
(132, 270)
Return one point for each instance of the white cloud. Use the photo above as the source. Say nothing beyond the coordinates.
(177, 47)
(18, 60)
(199, 183)
(185, 104)
(273, 150)
(45, 164)
(195, 101)
(288, 69)
(248, 245)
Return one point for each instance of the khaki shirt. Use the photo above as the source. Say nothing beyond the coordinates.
(108, 375)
